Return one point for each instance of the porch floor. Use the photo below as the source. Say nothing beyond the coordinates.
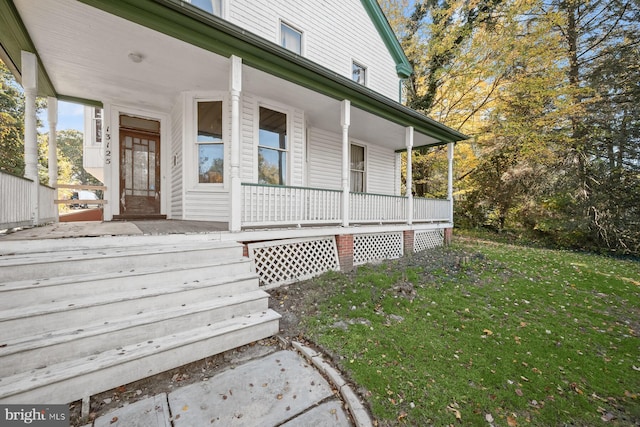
(63, 230)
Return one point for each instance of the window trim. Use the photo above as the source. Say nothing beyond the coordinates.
(293, 28)
(192, 175)
(364, 170)
(289, 150)
(223, 8)
(364, 68)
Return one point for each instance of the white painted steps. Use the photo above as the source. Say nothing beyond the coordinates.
(80, 316)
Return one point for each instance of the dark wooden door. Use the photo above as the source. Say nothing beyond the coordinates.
(139, 173)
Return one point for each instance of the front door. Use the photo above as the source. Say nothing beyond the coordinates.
(139, 168)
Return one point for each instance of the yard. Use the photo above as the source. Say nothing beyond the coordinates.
(481, 333)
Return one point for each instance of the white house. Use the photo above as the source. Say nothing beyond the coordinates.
(276, 122)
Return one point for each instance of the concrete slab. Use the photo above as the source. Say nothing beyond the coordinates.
(151, 412)
(328, 414)
(263, 392)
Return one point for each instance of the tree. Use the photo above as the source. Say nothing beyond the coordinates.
(11, 124)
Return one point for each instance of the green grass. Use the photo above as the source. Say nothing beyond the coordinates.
(488, 333)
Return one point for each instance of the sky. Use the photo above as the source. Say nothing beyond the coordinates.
(70, 116)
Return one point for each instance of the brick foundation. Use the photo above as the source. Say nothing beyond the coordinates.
(344, 243)
(448, 235)
(407, 238)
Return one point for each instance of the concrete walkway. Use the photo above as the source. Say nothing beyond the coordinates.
(285, 388)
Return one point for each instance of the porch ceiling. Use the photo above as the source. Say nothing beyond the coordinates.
(86, 53)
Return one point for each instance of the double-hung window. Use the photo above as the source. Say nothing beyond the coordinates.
(290, 38)
(359, 73)
(209, 142)
(272, 147)
(358, 169)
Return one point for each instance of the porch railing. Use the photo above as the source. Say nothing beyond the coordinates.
(16, 206)
(264, 205)
(280, 205)
(378, 208)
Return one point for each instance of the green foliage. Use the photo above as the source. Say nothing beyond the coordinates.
(488, 331)
(548, 92)
(11, 124)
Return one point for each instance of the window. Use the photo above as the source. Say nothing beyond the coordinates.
(357, 169)
(272, 147)
(210, 143)
(97, 125)
(290, 38)
(359, 73)
(214, 7)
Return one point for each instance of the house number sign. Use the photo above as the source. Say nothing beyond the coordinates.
(107, 147)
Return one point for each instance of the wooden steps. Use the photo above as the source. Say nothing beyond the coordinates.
(81, 316)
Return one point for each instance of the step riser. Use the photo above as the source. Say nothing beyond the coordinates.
(47, 322)
(41, 293)
(89, 384)
(47, 266)
(38, 358)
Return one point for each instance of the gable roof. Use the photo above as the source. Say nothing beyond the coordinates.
(189, 24)
(403, 67)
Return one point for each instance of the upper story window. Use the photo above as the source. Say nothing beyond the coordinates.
(359, 73)
(209, 143)
(290, 38)
(272, 147)
(214, 7)
(358, 168)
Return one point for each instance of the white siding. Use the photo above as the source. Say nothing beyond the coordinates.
(207, 206)
(335, 33)
(325, 160)
(176, 181)
(380, 169)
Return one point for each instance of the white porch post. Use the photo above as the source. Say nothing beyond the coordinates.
(450, 179)
(52, 116)
(345, 121)
(235, 87)
(409, 177)
(30, 86)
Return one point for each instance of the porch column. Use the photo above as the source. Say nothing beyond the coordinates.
(450, 179)
(30, 86)
(345, 121)
(235, 87)
(52, 116)
(409, 177)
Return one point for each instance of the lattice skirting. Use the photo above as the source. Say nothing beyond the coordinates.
(427, 239)
(372, 247)
(281, 262)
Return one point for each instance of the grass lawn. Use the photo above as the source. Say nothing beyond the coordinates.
(485, 333)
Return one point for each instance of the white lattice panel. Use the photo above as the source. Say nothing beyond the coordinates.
(280, 262)
(371, 247)
(427, 239)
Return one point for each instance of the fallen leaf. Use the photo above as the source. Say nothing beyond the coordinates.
(511, 421)
(185, 408)
(608, 417)
(489, 418)
(453, 407)
(114, 420)
(487, 332)
(519, 392)
(279, 397)
(402, 416)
